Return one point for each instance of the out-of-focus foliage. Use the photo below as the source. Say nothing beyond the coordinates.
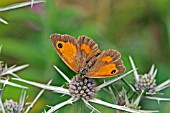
(10, 2)
(134, 27)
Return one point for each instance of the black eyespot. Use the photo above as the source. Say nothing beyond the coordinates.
(87, 62)
(113, 71)
(60, 45)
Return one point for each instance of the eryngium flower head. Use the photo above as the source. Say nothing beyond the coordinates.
(77, 83)
(11, 106)
(146, 81)
(82, 87)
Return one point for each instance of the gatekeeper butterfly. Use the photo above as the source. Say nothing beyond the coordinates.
(84, 57)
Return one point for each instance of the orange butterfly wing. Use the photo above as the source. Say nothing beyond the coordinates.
(87, 50)
(107, 64)
(84, 54)
(66, 47)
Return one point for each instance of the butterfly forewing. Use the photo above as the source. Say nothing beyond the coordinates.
(66, 47)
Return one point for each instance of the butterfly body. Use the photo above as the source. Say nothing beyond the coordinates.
(84, 57)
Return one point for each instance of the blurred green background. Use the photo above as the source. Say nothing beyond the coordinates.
(140, 28)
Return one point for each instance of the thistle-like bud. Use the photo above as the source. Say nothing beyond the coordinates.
(82, 87)
(133, 106)
(11, 106)
(146, 81)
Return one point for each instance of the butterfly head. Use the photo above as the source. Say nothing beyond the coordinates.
(84, 71)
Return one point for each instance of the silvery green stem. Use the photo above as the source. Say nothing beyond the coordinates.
(126, 99)
(138, 98)
(13, 69)
(112, 81)
(97, 101)
(113, 95)
(47, 87)
(151, 70)
(90, 106)
(3, 21)
(32, 3)
(154, 74)
(163, 85)
(157, 98)
(56, 107)
(2, 106)
(19, 5)
(12, 84)
(64, 76)
(36, 98)
(134, 68)
(22, 98)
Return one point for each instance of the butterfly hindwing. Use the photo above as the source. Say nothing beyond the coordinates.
(107, 64)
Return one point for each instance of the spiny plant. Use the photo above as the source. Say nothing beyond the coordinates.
(126, 100)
